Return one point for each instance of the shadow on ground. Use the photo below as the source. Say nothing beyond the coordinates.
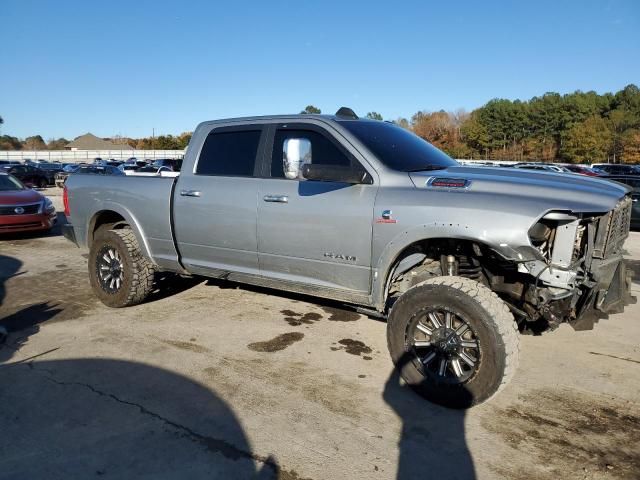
(87, 418)
(432, 443)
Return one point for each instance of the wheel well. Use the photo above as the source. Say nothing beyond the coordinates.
(471, 255)
(105, 218)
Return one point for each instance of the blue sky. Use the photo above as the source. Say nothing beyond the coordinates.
(116, 67)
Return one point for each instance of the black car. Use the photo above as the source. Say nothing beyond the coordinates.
(175, 164)
(6, 163)
(616, 168)
(632, 181)
(50, 170)
(29, 175)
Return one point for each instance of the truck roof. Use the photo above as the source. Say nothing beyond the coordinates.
(344, 113)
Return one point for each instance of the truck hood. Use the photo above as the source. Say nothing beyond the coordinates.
(545, 190)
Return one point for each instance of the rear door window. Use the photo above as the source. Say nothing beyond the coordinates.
(229, 152)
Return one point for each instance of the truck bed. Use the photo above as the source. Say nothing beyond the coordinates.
(142, 201)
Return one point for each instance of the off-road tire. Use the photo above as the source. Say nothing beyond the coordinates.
(487, 315)
(138, 271)
(43, 183)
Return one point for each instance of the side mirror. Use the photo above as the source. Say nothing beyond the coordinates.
(296, 152)
(336, 173)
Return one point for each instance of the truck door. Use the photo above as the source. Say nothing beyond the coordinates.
(315, 232)
(215, 203)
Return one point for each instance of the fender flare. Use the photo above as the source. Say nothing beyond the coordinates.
(129, 219)
(404, 239)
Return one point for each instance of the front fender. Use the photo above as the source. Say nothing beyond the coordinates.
(392, 250)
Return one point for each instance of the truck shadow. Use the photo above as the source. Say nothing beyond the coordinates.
(301, 297)
(83, 418)
(432, 443)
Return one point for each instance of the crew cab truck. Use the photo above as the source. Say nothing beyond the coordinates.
(459, 260)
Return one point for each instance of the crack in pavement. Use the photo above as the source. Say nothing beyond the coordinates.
(617, 358)
(215, 445)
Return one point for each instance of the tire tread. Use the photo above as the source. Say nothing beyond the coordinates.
(500, 315)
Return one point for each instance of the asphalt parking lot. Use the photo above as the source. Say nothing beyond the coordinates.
(214, 380)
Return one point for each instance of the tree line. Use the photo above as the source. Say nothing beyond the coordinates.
(579, 127)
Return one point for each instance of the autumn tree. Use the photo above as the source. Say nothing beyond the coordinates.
(402, 122)
(57, 144)
(184, 139)
(630, 143)
(8, 142)
(310, 109)
(374, 116)
(34, 143)
(587, 142)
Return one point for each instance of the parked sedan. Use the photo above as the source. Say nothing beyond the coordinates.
(542, 166)
(29, 175)
(582, 170)
(23, 209)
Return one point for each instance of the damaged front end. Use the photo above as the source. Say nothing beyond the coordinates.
(579, 275)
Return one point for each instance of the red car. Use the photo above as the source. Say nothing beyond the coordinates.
(582, 170)
(23, 209)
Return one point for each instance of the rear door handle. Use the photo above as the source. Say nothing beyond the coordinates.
(190, 193)
(276, 198)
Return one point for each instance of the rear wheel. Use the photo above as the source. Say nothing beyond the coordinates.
(453, 340)
(119, 274)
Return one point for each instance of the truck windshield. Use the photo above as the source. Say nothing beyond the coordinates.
(396, 147)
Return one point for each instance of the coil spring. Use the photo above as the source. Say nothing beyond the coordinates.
(469, 267)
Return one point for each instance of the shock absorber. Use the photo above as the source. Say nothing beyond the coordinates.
(449, 265)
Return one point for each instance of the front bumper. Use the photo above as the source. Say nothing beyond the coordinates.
(27, 223)
(606, 297)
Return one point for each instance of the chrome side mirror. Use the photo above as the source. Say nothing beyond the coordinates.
(296, 152)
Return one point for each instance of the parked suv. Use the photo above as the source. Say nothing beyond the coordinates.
(617, 168)
(457, 259)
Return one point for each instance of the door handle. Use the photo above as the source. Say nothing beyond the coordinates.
(190, 193)
(276, 198)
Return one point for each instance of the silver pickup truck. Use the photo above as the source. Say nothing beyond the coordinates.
(459, 260)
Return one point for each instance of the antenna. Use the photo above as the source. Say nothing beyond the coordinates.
(346, 112)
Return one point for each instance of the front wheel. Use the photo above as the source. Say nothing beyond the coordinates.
(43, 183)
(453, 340)
(120, 275)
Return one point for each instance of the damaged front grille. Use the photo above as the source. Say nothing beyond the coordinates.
(613, 230)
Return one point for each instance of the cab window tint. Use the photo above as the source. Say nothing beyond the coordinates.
(323, 150)
(229, 153)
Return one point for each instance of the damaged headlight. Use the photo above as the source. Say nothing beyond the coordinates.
(555, 236)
